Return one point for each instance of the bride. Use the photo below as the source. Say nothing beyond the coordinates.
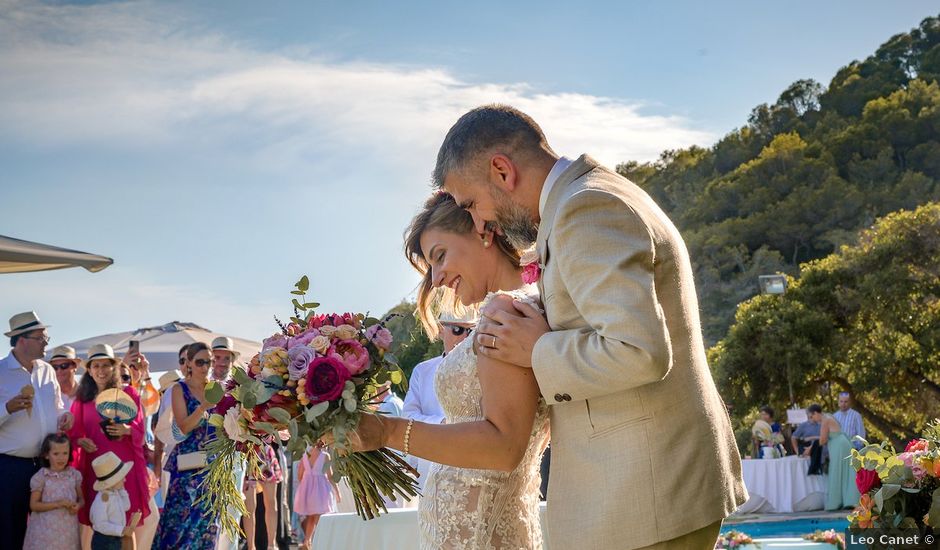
(484, 492)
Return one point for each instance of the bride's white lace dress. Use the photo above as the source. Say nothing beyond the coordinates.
(464, 509)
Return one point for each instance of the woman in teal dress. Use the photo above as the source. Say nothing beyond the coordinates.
(184, 523)
(842, 492)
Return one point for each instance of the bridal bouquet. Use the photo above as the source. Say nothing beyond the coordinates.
(899, 490)
(316, 376)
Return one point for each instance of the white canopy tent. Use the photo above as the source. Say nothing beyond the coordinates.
(17, 256)
(161, 344)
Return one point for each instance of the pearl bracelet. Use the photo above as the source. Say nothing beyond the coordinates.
(408, 435)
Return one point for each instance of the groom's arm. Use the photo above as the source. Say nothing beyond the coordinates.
(605, 257)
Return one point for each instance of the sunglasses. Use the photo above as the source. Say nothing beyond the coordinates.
(63, 366)
(182, 360)
(203, 362)
(458, 330)
(43, 339)
(126, 377)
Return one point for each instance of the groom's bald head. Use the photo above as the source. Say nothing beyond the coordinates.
(487, 130)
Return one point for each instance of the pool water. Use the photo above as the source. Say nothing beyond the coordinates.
(791, 528)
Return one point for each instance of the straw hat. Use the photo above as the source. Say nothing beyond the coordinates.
(101, 351)
(168, 378)
(469, 317)
(109, 470)
(63, 352)
(224, 343)
(24, 322)
(115, 404)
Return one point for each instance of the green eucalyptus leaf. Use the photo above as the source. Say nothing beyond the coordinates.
(293, 427)
(298, 292)
(297, 320)
(311, 305)
(217, 421)
(240, 375)
(317, 410)
(933, 516)
(396, 376)
(214, 392)
(369, 321)
(279, 414)
(249, 400)
(350, 404)
(297, 304)
(303, 284)
(390, 358)
(254, 439)
(266, 427)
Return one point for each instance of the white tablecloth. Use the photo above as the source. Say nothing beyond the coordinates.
(397, 530)
(780, 485)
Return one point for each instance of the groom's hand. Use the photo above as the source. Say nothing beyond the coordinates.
(509, 330)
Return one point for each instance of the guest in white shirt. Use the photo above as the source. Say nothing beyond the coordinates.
(850, 420)
(421, 401)
(30, 409)
(66, 363)
(108, 512)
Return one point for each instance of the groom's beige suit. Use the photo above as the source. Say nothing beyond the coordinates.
(642, 446)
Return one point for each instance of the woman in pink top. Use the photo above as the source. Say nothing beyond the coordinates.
(103, 372)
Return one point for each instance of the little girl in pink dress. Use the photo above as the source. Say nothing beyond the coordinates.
(316, 493)
(55, 499)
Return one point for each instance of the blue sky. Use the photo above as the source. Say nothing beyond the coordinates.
(219, 150)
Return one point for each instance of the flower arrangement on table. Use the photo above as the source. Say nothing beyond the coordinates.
(734, 539)
(316, 376)
(899, 490)
(830, 537)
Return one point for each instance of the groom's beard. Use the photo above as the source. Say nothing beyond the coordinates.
(515, 221)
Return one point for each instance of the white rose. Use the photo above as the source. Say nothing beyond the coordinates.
(346, 332)
(233, 429)
(320, 343)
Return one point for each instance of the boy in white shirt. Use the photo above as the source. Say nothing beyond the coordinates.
(108, 512)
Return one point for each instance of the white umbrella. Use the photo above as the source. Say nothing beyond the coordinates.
(17, 256)
(161, 344)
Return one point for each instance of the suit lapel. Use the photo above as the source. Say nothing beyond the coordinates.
(578, 168)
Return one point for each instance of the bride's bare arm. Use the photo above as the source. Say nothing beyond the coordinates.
(510, 400)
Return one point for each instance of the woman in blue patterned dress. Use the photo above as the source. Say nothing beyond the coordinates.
(184, 523)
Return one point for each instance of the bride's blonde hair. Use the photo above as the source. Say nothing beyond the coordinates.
(440, 211)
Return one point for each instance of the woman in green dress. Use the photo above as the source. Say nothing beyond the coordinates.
(842, 492)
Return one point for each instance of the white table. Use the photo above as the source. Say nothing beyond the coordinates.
(397, 530)
(780, 485)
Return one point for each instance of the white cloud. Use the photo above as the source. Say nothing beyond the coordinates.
(133, 75)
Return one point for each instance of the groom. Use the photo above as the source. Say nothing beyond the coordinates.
(643, 455)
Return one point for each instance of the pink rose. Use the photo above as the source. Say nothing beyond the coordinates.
(907, 459)
(867, 480)
(326, 379)
(917, 445)
(380, 336)
(919, 471)
(531, 273)
(303, 339)
(299, 358)
(353, 355)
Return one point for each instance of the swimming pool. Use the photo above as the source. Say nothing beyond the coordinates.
(792, 527)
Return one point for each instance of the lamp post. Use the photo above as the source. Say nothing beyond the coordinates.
(777, 284)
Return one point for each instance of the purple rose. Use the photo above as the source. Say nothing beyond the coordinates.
(302, 339)
(299, 358)
(380, 336)
(326, 379)
(275, 341)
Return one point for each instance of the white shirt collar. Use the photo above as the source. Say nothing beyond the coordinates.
(561, 165)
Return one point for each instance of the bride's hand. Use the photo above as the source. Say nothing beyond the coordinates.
(371, 434)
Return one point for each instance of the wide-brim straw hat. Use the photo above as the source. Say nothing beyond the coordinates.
(168, 378)
(101, 351)
(109, 470)
(117, 405)
(224, 343)
(63, 352)
(22, 323)
(468, 317)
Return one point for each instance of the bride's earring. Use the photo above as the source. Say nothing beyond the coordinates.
(486, 243)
